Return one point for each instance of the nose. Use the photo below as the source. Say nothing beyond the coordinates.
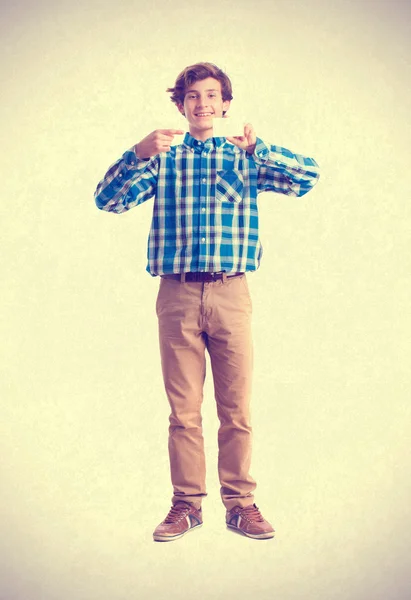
(202, 102)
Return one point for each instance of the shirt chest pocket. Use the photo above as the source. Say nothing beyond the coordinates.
(229, 186)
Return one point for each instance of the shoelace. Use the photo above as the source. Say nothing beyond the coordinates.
(252, 513)
(176, 513)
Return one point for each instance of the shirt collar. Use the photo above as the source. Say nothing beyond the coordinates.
(213, 142)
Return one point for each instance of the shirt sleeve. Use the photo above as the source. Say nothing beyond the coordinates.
(282, 171)
(128, 182)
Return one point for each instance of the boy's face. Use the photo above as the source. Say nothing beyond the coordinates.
(202, 102)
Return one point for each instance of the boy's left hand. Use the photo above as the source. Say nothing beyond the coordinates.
(247, 141)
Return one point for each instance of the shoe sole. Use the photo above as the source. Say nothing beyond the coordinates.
(171, 538)
(255, 536)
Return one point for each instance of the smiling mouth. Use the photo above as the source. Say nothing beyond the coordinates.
(203, 115)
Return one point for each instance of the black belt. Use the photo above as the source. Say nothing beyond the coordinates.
(192, 276)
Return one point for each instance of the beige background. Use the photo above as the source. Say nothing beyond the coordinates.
(84, 463)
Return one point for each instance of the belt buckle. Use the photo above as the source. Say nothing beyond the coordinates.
(219, 275)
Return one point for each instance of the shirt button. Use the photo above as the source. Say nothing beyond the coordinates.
(203, 209)
(204, 180)
(203, 239)
(132, 164)
(120, 174)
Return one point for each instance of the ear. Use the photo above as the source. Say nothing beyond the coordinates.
(181, 109)
(226, 105)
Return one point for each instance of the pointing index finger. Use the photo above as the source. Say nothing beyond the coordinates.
(171, 131)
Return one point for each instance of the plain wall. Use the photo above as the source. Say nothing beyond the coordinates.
(84, 461)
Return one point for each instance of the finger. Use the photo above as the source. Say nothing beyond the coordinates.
(165, 138)
(167, 135)
(233, 140)
(171, 131)
(249, 129)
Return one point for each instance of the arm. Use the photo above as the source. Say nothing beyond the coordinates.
(128, 182)
(133, 178)
(279, 170)
(282, 171)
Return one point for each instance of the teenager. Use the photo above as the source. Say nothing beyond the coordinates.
(203, 240)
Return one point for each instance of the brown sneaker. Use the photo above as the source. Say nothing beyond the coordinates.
(182, 518)
(250, 522)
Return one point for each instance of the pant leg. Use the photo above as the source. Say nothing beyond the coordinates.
(231, 353)
(182, 350)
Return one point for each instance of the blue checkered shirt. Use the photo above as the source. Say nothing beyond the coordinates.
(205, 213)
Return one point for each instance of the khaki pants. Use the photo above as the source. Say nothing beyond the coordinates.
(194, 316)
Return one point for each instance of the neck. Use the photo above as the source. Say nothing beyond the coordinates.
(201, 135)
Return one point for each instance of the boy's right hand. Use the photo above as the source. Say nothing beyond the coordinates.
(155, 142)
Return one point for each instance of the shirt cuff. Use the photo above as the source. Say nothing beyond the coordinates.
(132, 161)
(261, 151)
(277, 156)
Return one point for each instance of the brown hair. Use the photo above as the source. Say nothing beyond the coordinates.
(198, 72)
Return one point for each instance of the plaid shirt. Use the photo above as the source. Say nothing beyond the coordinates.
(205, 214)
